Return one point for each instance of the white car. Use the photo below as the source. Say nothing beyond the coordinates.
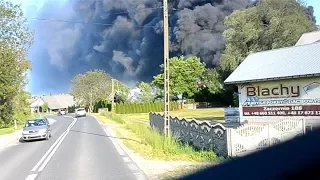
(80, 112)
(62, 112)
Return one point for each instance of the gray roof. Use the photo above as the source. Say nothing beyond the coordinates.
(59, 101)
(308, 38)
(284, 63)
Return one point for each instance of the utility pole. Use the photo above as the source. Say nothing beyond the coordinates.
(166, 68)
(112, 93)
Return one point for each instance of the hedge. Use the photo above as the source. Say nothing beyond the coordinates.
(145, 107)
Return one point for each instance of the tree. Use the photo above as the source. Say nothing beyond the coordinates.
(122, 92)
(145, 92)
(269, 25)
(14, 43)
(21, 106)
(211, 81)
(45, 107)
(184, 75)
(91, 87)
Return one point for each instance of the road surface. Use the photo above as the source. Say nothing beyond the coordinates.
(79, 149)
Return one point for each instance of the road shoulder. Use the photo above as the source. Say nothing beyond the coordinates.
(9, 139)
(154, 169)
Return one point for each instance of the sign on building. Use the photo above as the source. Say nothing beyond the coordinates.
(296, 97)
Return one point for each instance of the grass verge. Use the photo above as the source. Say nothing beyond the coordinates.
(151, 144)
(213, 114)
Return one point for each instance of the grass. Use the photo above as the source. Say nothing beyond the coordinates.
(11, 129)
(154, 145)
(212, 114)
(151, 144)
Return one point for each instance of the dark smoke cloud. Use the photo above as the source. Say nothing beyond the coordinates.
(124, 37)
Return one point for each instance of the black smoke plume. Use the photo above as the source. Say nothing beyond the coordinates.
(123, 37)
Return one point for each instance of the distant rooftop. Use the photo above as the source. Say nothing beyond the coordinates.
(308, 38)
(284, 63)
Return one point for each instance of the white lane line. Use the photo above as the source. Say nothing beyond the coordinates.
(31, 177)
(47, 153)
(56, 148)
(115, 144)
(140, 176)
(126, 159)
(133, 167)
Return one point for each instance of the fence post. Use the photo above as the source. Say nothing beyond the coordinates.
(15, 125)
(229, 143)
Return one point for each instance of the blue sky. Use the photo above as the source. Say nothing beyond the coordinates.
(316, 6)
(32, 8)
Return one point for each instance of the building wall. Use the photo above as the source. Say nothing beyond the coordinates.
(274, 100)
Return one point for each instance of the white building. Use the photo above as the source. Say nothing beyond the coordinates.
(55, 102)
(280, 83)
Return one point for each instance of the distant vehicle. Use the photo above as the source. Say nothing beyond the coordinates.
(39, 128)
(80, 112)
(61, 112)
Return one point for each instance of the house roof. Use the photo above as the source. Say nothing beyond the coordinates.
(59, 101)
(308, 38)
(284, 63)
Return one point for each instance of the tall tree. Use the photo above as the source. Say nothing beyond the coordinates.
(91, 87)
(145, 92)
(269, 25)
(21, 106)
(184, 75)
(122, 92)
(15, 39)
(211, 81)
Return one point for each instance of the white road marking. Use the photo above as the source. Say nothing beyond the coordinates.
(47, 153)
(115, 144)
(31, 177)
(126, 159)
(133, 167)
(56, 147)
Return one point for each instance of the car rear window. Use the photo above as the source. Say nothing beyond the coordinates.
(82, 109)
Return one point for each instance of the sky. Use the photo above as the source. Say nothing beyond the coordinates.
(32, 8)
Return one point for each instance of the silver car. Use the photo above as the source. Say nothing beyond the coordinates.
(38, 128)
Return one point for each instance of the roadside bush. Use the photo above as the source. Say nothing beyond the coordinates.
(131, 108)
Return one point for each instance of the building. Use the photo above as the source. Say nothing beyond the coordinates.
(308, 38)
(36, 104)
(55, 102)
(280, 83)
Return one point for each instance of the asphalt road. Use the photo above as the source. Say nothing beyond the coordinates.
(79, 149)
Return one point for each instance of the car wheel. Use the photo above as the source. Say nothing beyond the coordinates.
(47, 137)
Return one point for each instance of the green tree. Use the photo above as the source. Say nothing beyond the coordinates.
(212, 81)
(21, 106)
(145, 92)
(15, 39)
(45, 107)
(269, 25)
(122, 92)
(91, 87)
(184, 75)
